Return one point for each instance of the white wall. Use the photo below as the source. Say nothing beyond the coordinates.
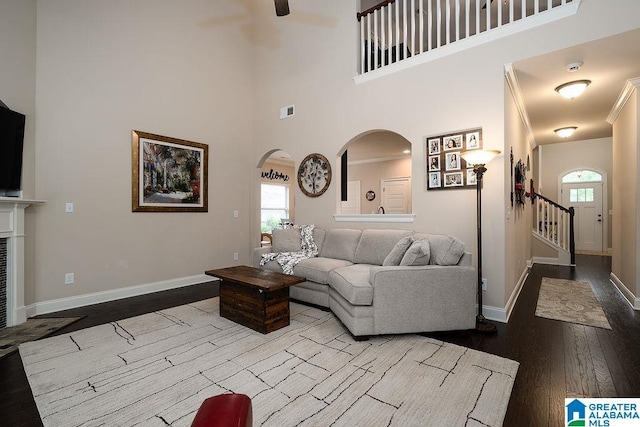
(312, 67)
(518, 242)
(159, 66)
(18, 92)
(626, 137)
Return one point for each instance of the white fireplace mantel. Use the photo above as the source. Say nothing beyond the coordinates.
(12, 229)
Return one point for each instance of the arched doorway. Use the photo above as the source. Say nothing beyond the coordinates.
(378, 174)
(277, 191)
(585, 191)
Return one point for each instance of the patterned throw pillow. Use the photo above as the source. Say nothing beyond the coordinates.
(418, 253)
(398, 251)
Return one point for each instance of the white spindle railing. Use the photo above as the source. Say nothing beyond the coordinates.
(553, 223)
(396, 29)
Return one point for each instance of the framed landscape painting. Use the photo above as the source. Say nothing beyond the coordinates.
(168, 174)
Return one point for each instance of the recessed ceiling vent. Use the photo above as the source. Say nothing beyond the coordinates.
(287, 111)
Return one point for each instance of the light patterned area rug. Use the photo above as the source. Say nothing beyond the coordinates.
(156, 369)
(570, 301)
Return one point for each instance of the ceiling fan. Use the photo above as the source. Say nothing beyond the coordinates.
(282, 7)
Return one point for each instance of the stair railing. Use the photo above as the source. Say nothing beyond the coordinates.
(555, 223)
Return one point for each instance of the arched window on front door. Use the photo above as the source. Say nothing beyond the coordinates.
(585, 194)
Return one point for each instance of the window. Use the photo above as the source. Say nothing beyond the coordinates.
(275, 206)
(577, 195)
(582, 176)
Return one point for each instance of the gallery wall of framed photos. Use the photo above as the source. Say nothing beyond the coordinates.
(445, 168)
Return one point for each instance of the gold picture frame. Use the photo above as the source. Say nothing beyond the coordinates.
(168, 174)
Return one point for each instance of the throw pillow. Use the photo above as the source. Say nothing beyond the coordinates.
(418, 253)
(398, 251)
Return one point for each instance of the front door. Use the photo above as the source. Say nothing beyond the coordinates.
(586, 199)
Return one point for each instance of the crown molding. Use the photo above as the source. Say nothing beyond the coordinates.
(516, 92)
(624, 96)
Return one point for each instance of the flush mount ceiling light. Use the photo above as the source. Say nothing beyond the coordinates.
(565, 132)
(573, 89)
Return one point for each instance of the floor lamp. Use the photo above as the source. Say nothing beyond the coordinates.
(479, 158)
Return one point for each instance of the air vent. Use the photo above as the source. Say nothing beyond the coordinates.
(287, 111)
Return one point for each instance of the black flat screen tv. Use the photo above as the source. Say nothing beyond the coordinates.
(11, 143)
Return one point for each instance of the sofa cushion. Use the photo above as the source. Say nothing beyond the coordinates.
(353, 283)
(288, 239)
(398, 251)
(375, 245)
(445, 249)
(417, 254)
(317, 269)
(340, 243)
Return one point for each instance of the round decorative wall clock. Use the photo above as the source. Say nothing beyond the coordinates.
(314, 175)
(370, 195)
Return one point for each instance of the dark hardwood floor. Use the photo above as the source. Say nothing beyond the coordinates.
(557, 359)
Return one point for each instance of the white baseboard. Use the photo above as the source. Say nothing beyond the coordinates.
(516, 292)
(546, 260)
(502, 314)
(53, 306)
(626, 293)
(494, 313)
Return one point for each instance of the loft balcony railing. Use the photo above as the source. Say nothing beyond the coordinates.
(395, 30)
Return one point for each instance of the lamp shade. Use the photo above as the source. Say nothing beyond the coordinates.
(565, 132)
(479, 157)
(573, 89)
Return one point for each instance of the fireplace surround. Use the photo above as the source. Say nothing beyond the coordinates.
(12, 232)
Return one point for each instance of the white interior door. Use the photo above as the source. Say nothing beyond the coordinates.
(586, 199)
(352, 205)
(396, 195)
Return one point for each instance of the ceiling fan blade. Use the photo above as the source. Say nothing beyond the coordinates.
(282, 7)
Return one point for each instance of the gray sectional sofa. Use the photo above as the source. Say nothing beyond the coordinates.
(356, 275)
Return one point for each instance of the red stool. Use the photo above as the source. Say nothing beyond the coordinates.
(225, 410)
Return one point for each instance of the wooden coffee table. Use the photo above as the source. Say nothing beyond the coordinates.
(254, 297)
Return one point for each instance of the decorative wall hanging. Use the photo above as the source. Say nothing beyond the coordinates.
(520, 180)
(169, 175)
(445, 167)
(370, 195)
(512, 184)
(273, 175)
(314, 175)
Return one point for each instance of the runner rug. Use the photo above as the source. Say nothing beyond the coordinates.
(156, 369)
(570, 301)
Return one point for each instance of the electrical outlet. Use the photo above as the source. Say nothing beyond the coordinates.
(69, 278)
(484, 284)
(235, 256)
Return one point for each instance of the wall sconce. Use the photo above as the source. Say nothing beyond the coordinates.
(565, 132)
(573, 89)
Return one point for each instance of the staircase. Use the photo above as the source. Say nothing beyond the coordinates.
(553, 225)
